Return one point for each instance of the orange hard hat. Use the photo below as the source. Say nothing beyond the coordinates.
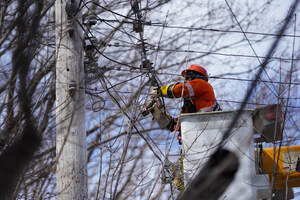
(196, 68)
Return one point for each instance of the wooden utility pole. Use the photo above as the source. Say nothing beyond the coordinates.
(71, 172)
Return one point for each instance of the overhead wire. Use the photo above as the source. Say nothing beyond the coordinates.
(102, 54)
(163, 25)
(282, 35)
(160, 48)
(146, 63)
(219, 100)
(124, 64)
(125, 114)
(114, 99)
(217, 53)
(257, 77)
(237, 21)
(214, 77)
(104, 8)
(275, 164)
(193, 52)
(193, 28)
(96, 91)
(270, 81)
(144, 58)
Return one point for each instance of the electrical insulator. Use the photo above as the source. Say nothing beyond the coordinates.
(146, 65)
(137, 27)
(72, 88)
(86, 63)
(90, 20)
(91, 43)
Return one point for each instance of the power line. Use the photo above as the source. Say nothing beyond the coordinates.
(188, 28)
(252, 48)
(143, 45)
(160, 48)
(191, 51)
(104, 8)
(222, 31)
(98, 91)
(163, 25)
(263, 66)
(211, 77)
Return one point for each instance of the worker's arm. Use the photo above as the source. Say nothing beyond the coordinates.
(167, 91)
(174, 90)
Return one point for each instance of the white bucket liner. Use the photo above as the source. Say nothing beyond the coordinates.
(201, 134)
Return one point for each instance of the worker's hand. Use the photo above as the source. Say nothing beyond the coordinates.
(154, 92)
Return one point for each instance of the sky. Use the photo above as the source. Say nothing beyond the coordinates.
(231, 90)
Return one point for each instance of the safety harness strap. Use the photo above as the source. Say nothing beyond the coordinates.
(190, 89)
(214, 107)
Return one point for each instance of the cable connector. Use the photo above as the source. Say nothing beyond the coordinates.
(146, 65)
(137, 27)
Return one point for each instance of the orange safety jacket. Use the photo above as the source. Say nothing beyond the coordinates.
(198, 92)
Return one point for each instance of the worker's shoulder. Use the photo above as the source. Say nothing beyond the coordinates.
(199, 84)
(198, 81)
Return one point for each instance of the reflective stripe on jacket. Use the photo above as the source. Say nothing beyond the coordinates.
(199, 92)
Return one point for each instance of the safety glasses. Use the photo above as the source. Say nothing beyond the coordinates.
(190, 74)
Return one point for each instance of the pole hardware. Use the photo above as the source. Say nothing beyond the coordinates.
(89, 20)
(137, 27)
(91, 43)
(146, 66)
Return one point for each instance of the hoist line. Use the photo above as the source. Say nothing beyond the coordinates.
(154, 81)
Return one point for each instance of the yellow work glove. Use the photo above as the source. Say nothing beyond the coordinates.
(164, 90)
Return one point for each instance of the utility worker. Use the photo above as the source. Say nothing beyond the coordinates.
(198, 94)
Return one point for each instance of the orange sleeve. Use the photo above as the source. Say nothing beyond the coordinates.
(197, 89)
(177, 90)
